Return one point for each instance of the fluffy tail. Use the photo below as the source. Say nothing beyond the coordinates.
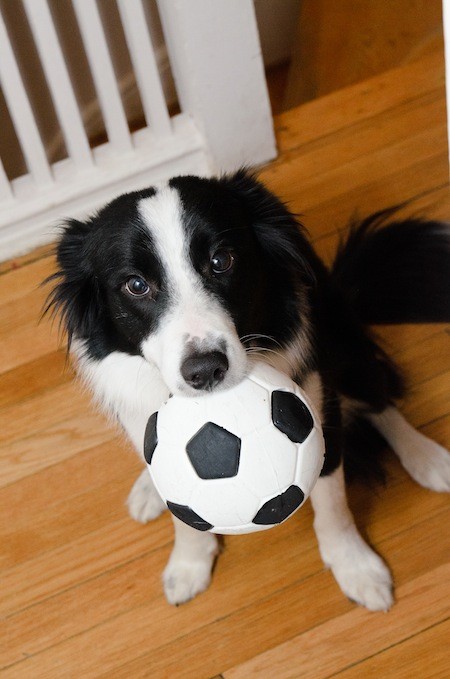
(396, 272)
(390, 272)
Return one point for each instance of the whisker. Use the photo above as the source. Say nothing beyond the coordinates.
(255, 351)
(248, 338)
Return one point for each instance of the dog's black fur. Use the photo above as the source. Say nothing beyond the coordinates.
(384, 272)
(209, 271)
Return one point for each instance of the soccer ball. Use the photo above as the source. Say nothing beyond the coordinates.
(236, 461)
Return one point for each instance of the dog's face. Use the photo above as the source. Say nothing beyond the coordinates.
(188, 275)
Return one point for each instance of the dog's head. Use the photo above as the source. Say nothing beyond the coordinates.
(188, 275)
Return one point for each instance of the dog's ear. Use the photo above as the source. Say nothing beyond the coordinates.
(279, 233)
(75, 296)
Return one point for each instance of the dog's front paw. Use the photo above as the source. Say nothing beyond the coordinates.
(183, 580)
(364, 577)
(429, 464)
(144, 502)
(189, 570)
(369, 585)
(424, 459)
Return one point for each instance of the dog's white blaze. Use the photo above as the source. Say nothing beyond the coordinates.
(162, 214)
(193, 315)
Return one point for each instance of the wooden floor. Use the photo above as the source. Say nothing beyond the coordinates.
(80, 581)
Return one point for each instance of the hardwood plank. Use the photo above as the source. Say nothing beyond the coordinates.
(360, 141)
(22, 300)
(32, 378)
(58, 484)
(357, 138)
(391, 175)
(263, 625)
(85, 558)
(81, 592)
(373, 507)
(25, 310)
(31, 454)
(133, 634)
(385, 191)
(126, 587)
(325, 649)
(433, 204)
(429, 401)
(438, 430)
(64, 555)
(427, 650)
(17, 283)
(401, 339)
(16, 348)
(267, 565)
(427, 359)
(146, 590)
(84, 514)
(27, 259)
(42, 411)
(359, 103)
(45, 516)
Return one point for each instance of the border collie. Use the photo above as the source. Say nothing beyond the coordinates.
(176, 288)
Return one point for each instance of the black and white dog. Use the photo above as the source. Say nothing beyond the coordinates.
(176, 288)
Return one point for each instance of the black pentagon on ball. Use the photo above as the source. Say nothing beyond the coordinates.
(150, 438)
(214, 452)
(187, 515)
(280, 507)
(291, 416)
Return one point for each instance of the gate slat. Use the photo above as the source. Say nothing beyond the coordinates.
(5, 186)
(97, 53)
(21, 113)
(60, 86)
(144, 62)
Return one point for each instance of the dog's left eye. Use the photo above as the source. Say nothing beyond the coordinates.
(137, 286)
(222, 261)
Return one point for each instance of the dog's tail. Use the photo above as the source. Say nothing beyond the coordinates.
(396, 271)
(390, 272)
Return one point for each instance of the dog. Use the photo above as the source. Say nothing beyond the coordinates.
(175, 289)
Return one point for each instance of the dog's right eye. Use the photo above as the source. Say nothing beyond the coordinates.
(137, 286)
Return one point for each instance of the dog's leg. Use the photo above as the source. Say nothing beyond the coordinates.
(144, 503)
(129, 389)
(189, 569)
(425, 460)
(360, 573)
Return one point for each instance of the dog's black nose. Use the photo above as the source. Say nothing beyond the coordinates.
(204, 371)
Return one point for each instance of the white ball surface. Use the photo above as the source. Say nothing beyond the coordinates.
(221, 463)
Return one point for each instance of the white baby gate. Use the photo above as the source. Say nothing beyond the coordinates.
(225, 118)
